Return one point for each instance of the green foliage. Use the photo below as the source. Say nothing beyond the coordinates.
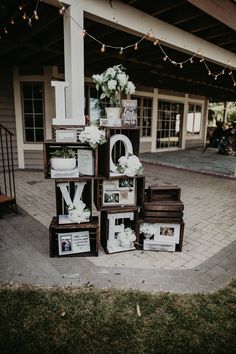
(63, 153)
(92, 321)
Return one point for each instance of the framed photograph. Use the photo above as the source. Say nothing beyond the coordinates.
(129, 112)
(166, 233)
(85, 162)
(73, 242)
(119, 192)
(66, 135)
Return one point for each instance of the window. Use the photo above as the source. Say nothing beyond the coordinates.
(194, 119)
(144, 112)
(169, 124)
(33, 116)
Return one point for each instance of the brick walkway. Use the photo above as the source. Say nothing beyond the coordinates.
(206, 263)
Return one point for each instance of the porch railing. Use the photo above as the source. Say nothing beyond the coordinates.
(7, 177)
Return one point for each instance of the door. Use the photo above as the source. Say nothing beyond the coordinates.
(169, 124)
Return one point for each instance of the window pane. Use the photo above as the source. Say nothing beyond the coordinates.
(27, 91)
(38, 91)
(38, 118)
(38, 106)
(29, 121)
(39, 135)
(28, 106)
(29, 134)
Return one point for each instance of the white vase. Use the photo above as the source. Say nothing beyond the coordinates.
(60, 164)
(113, 116)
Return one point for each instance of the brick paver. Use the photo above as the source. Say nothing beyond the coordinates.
(208, 252)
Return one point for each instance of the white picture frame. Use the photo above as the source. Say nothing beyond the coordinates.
(167, 233)
(85, 158)
(66, 135)
(129, 112)
(119, 192)
(73, 242)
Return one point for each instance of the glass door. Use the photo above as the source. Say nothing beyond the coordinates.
(169, 124)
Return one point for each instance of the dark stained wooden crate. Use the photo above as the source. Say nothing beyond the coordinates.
(133, 133)
(61, 207)
(51, 146)
(165, 192)
(55, 229)
(164, 206)
(104, 224)
(163, 221)
(139, 183)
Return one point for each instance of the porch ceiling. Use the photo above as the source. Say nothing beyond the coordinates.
(42, 44)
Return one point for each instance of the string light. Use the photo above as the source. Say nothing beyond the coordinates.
(181, 65)
(12, 21)
(191, 60)
(201, 60)
(103, 49)
(5, 30)
(36, 15)
(20, 7)
(83, 33)
(230, 73)
(165, 58)
(209, 73)
(62, 10)
(156, 42)
(136, 46)
(29, 22)
(24, 16)
(121, 50)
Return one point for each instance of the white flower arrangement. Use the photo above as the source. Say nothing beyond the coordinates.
(130, 166)
(114, 82)
(79, 213)
(147, 229)
(93, 136)
(127, 237)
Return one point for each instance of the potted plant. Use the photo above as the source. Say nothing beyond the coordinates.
(114, 82)
(63, 159)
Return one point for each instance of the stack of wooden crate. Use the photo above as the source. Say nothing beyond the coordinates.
(163, 213)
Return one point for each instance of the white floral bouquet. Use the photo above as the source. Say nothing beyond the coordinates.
(79, 213)
(127, 237)
(93, 136)
(147, 229)
(130, 166)
(114, 82)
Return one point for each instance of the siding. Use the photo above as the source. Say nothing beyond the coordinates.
(33, 159)
(7, 112)
(145, 146)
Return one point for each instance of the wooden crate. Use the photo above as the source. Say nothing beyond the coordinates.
(166, 223)
(52, 146)
(86, 197)
(133, 133)
(92, 228)
(165, 192)
(106, 227)
(118, 196)
(165, 209)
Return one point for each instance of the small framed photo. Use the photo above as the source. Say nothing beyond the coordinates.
(167, 233)
(129, 112)
(119, 192)
(85, 162)
(73, 242)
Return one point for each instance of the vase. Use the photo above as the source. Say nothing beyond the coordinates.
(113, 116)
(61, 164)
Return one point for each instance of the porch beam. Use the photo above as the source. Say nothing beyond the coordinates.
(223, 11)
(134, 21)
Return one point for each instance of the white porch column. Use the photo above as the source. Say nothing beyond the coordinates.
(74, 61)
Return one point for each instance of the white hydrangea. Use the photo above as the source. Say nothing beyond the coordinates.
(130, 166)
(93, 136)
(122, 161)
(112, 84)
(110, 72)
(130, 88)
(127, 237)
(79, 213)
(122, 79)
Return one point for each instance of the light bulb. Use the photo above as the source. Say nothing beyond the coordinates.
(12, 21)
(223, 71)
(201, 60)
(156, 42)
(62, 10)
(36, 15)
(5, 30)
(24, 16)
(191, 60)
(165, 58)
(29, 22)
(181, 65)
(209, 73)
(83, 33)
(234, 83)
(121, 50)
(20, 7)
(136, 46)
(230, 73)
(215, 77)
(103, 48)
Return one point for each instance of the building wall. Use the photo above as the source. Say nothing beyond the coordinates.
(7, 112)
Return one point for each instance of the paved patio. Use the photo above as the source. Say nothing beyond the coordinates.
(207, 261)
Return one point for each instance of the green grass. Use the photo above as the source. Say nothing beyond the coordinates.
(34, 320)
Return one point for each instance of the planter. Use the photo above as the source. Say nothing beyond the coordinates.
(60, 164)
(113, 116)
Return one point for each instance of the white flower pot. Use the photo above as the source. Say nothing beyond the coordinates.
(113, 116)
(60, 164)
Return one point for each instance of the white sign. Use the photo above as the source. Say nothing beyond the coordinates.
(127, 145)
(85, 162)
(60, 105)
(73, 242)
(64, 135)
(79, 187)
